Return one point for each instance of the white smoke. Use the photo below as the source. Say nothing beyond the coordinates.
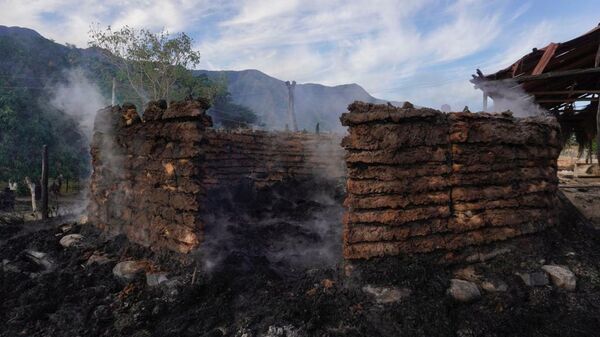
(508, 95)
(79, 98)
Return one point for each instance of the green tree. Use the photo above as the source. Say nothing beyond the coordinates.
(230, 115)
(151, 62)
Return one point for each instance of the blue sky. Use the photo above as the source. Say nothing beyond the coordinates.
(418, 50)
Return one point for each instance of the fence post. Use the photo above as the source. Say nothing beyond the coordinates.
(45, 183)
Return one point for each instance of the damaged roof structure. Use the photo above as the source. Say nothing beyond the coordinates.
(562, 78)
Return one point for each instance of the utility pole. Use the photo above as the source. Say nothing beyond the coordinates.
(291, 112)
(45, 183)
(114, 86)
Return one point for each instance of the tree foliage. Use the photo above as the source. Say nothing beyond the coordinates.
(229, 115)
(151, 62)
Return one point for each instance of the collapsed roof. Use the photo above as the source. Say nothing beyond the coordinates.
(563, 78)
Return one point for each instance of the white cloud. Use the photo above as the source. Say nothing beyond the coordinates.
(69, 21)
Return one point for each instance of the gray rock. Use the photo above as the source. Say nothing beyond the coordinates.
(535, 279)
(482, 257)
(494, 286)
(155, 279)
(282, 331)
(127, 270)
(385, 295)
(41, 259)
(70, 240)
(98, 258)
(561, 276)
(463, 291)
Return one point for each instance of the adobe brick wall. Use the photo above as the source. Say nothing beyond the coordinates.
(150, 179)
(420, 180)
(146, 180)
(269, 157)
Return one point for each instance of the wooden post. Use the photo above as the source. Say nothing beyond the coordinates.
(31, 186)
(485, 101)
(114, 85)
(597, 65)
(598, 132)
(45, 183)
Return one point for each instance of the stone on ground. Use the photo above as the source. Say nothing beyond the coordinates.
(494, 286)
(561, 277)
(98, 258)
(385, 295)
(127, 270)
(463, 291)
(70, 240)
(154, 279)
(535, 279)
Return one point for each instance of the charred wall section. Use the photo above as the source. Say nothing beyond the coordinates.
(420, 180)
(152, 179)
(269, 157)
(146, 180)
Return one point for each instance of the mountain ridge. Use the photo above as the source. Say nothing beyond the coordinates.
(268, 97)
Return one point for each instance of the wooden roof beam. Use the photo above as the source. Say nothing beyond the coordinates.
(566, 100)
(543, 62)
(556, 74)
(564, 92)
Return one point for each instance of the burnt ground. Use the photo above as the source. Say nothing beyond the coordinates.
(268, 275)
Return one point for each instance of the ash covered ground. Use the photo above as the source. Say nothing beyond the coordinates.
(274, 268)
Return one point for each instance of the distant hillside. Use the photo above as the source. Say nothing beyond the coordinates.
(268, 97)
(33, 68)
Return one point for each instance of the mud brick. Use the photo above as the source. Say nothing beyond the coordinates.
(395, 201)
(400, 157)
(361, 233)
(535, 200)
(405, 186)
(393, 136)
(505, 177)
(465, 221)
(471, 193)
(184, 202)
(388, 173)
(366, 250)
(473, 153)
(397, 217)
(185, 109)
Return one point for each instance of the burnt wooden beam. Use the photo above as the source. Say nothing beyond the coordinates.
(566, 100)
(543, 62)
(564, 92)
(555, 74)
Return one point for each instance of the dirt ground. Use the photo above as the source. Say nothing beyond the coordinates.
(275, 269)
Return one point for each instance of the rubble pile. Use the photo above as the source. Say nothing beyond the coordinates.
(420, 180)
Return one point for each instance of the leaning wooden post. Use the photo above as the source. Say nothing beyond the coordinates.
(114, 86)
(485, 101)
(596, 65)
(45, 183)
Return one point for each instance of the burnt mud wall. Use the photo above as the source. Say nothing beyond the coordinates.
(266, 158)
(146, 180)
(420, 180)
(152, 179)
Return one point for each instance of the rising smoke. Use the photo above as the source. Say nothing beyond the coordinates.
(508, 95)
(79, 98)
